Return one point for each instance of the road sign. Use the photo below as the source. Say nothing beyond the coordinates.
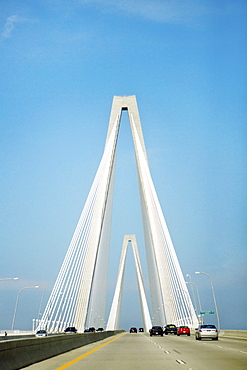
(206, 312)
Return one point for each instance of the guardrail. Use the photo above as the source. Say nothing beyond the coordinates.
(18, 353)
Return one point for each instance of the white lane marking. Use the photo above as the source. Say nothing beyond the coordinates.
(181, 362)
(243, 352)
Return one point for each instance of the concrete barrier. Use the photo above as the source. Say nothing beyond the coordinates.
(9, 337)
(234, 334)
(20, 336)
(16, 354)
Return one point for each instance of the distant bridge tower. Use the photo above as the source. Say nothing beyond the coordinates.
(114, 317)
(79, 294)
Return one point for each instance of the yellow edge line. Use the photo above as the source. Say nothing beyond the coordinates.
(88, 353)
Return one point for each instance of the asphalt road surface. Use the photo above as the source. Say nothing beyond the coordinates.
(140, 351)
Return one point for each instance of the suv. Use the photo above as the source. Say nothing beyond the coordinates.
(170, 329)
(156, 330)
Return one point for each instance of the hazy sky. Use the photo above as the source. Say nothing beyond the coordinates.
(61, 64)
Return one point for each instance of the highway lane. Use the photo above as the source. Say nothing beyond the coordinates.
(140, 351)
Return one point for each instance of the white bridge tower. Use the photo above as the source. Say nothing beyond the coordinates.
(114, 317)
(79, 295)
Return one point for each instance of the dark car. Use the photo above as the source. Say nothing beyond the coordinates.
(70, 330)
(100, 329)
(170, 329)
(156, 330)
(141, 330)
(183, 330)
(133, 330)
(90, 330)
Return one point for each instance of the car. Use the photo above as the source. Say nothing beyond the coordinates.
(100, 329)
(41, 333)
(133, 330)
(156, 330)
(183, 330)
(141, 330)
(170, 329)
(70, 330)
(206, 331)
(91, 330)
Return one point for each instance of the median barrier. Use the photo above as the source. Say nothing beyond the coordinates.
(18, 353)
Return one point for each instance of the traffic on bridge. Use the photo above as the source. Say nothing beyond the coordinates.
(140, 351)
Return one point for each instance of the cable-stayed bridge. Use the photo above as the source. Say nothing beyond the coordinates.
(78, 297)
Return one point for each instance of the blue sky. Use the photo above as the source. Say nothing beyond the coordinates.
(61, 64)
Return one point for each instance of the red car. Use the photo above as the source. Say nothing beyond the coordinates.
(183, 330)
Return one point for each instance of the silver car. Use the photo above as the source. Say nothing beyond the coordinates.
(206, 331)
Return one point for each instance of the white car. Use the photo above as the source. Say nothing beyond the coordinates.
(41, 333)
(207, 331)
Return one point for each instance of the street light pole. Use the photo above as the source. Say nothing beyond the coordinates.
(193, 293)
(215, 304)
(198, 297)
(17, 300)
(197, 290)
(16, 278)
